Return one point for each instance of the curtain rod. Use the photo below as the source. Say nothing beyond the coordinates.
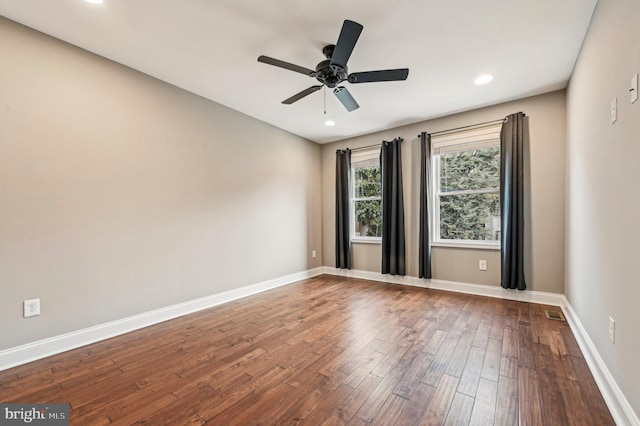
(486, 123)
(372, 146)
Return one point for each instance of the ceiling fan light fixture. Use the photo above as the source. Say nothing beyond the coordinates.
(483, 79)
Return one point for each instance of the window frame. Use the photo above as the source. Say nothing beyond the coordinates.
(361, 156)
(486, 136)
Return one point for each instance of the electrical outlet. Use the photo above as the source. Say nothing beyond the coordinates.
(31, 308)
(482, 265)
(612, 330)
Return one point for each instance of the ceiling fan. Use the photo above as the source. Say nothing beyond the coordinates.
(333, 71)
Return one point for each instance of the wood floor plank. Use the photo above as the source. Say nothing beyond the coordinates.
(507, 402)
(325, 411)
(471, 375)
(361, 393)
(417, 405)
(142, 406)
(362, 348)
(291, 402)
(570, 341)
(413, 375)
(438, 407)
(303, 407)
(328, 350)
(435, 341)
(529, 397)
(556, 343)
(484, 407)
(317, 367)
(481, 338)
(441, 360)
(460, 410)
(463, 320)
(510, 343)
(597, 406)
(252, 405)
(373, 404)
(364, 369)
(524, 314)
(539, 330)
(577, 410)
(497, 326)
(551, 400)
(460, 354)
(526, 354)
(389, 361)
(240, 396)
(390, 411)
(492, 360)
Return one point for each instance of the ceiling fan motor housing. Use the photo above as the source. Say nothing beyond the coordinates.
(330, 75)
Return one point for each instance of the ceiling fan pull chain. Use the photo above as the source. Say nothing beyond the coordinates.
(324, 95)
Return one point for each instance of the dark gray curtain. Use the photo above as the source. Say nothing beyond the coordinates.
(424, 241)
(343, 236)
(393, 247)
(512, 201)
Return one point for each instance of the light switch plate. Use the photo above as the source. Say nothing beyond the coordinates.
(612, 330)
(614, 110)
(634, 88)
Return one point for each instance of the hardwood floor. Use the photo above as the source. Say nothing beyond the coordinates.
(332, 351)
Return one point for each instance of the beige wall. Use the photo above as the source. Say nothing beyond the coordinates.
(603, 173)
(545, 185)
(121, 194)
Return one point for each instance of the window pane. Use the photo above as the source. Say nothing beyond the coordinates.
(470, 217)
(368, 215)
(368, 182)
(471, 169)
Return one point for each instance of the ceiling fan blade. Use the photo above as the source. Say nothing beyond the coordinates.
(383, 75)
(346, 42)
(345, 97)
(286, 65)
(301, 95)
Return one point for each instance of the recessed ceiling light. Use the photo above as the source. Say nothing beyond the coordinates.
(94, 1)
(329, 123)
(483, 79)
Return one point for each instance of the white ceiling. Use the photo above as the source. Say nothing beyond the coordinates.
(210, 47)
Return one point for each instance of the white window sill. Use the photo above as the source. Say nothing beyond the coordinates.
(364, 240)
(467, 245)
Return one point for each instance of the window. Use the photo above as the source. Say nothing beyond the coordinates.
(366, 195)
(466, 179)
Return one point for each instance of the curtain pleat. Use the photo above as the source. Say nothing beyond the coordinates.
(512, 202)
(343, 236)
(424, 240)
(393, 243)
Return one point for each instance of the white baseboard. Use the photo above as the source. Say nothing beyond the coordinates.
(43, 348)
(618, 404)
(540, 297)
